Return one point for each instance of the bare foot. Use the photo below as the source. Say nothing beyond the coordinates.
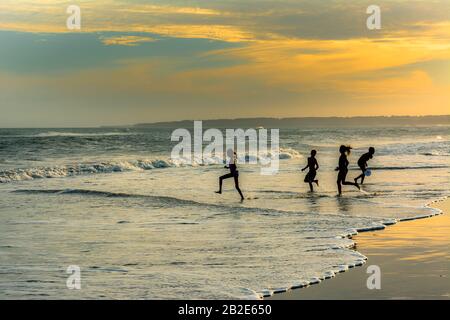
(219, 192)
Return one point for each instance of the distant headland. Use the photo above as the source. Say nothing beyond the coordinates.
(308, 122)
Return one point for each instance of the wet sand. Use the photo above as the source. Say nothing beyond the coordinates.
(413, 256)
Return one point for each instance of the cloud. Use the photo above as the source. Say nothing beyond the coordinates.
(126, 40)
(166, 9)
(227, 58)
(233, 21)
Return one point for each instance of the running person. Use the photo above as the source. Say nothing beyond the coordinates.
(313, 167)
(343, 169)
(234, 173)
(362, 163)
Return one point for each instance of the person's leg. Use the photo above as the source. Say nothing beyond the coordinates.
(342, 180)
(313, 178)
(346, 183)
(339, 183)
(221, 178)
(220, 185)
(236, 184)
(308, 181)
(361, 176)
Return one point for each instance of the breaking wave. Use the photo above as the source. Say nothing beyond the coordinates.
(81, 169)
(124, 166)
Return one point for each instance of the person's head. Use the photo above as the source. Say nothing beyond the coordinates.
(372, 150)
(230, 153)
(313, 153)
(345, 149)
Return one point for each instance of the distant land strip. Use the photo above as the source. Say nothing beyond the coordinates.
(308, 122)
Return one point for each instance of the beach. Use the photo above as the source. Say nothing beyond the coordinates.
(141, 225)
(413, 256)
(224, 150)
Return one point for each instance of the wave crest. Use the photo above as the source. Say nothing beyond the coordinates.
(124, 166)
(80, 169)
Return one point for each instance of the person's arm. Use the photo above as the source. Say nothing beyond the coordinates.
(305, 167)
(317, 165)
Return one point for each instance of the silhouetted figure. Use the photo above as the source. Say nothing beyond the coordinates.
(234, 173)
(362, 163)
(343, 169)
(313, 167)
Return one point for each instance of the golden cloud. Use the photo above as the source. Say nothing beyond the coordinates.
(126, 40)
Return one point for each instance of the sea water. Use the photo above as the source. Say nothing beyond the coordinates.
(140, 226)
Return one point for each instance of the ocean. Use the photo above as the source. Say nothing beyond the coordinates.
(140, 226)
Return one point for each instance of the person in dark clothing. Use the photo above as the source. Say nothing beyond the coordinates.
(234, 173)
(362, 163)
(343, 169)
(313, 167)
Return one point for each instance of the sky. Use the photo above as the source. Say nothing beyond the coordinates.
(149, 61)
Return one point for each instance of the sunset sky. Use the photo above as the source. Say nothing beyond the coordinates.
(147, 61)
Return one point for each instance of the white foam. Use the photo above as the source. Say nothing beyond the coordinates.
(266, 293)
(359, 263)
(417, 217)
(121, 166)
(342, 268)
(288, 153)
(389, 222)
(371, 228)
(314, 280)
(50, 134)
(280, 290)
(301, 284)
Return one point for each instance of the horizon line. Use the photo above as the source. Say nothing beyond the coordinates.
(227, 119)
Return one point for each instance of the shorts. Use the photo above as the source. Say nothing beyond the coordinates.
(310, 176)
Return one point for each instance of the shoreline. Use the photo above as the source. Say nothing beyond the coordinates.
(400, 253)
